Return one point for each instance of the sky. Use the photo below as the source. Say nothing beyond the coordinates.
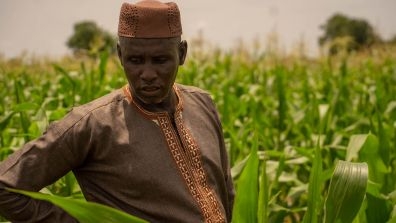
(42, 27)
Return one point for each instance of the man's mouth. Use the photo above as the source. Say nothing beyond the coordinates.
(150, 89)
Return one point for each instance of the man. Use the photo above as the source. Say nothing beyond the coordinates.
(153, 149)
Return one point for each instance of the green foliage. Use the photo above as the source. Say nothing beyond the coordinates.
(286, 121)
(90, 39)
(263, 199)
(245, 207)
(346, 192)
(344, 33)
(84, 212)
(314, 189)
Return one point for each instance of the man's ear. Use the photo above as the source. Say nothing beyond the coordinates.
(182, 51)
(119, 52)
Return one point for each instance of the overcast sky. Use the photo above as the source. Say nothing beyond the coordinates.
(42, 27)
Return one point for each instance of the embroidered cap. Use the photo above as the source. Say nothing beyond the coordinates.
(149, 19)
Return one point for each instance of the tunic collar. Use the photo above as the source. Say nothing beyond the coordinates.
(149, 114)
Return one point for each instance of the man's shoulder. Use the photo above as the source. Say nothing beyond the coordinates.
(103, 101)
(191, 89)
(195, 96)
(100, 107)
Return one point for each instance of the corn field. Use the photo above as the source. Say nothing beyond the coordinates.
(309, 140)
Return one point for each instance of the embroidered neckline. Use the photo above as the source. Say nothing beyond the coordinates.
(149, 114)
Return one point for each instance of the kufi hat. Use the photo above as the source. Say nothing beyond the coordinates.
(149, 19)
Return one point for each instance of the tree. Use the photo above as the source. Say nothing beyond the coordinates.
(343, 33)
(90, 39)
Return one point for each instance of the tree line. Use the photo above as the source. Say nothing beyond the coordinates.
(340, 33)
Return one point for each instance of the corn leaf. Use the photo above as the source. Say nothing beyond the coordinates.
(263, 195)
(370, 154)
(245, 207)
(4, 121)
(356, 142)
(83, 211)
(314, 195)
(346, 192)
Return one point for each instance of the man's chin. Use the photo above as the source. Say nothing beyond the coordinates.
(150, 101)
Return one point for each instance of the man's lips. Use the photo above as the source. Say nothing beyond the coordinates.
(150, 90)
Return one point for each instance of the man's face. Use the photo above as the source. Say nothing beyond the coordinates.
(151, 66)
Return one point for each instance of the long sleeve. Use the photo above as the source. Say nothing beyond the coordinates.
(37, 164)
(19, 208)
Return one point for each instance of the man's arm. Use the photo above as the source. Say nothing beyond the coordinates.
(37, 164)
(19, 208)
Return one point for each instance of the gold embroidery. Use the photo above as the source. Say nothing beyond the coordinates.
(210, 204)
(127, 93)
(187, 157)
(193, 174)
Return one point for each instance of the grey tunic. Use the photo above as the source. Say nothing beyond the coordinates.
(151, 165)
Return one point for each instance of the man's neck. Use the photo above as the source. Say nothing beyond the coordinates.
(167, 105)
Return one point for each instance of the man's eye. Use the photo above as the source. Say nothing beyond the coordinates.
(160, 60)
(135, 60)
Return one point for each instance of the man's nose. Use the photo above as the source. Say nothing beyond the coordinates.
(148, 74)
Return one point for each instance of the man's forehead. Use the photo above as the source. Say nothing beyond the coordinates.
(149, 45)
(149, 41)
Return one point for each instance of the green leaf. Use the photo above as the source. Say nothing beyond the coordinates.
(4, 122)
(365, 147)
(346, 192)
(83, 211)
(378, 209)
(26, 106)
(369, 153)
(246, 200)
(263, 200)
(356, 142)
(315, 182)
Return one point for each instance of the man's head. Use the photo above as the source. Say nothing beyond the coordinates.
(150, 49)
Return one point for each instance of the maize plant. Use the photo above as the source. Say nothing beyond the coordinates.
(309, 139)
